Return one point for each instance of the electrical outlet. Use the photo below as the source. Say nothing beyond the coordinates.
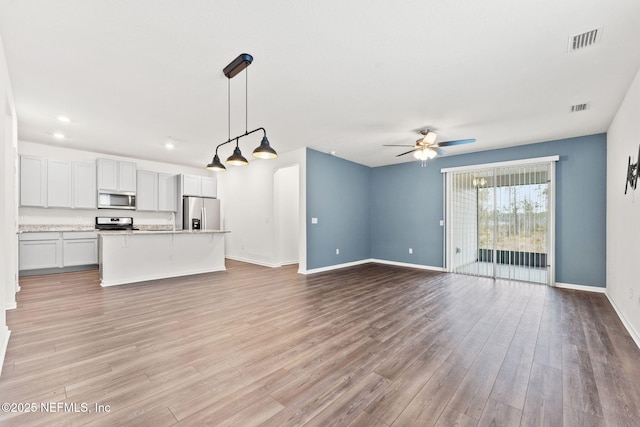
(337, 251)
(441, 223)
(410, 250)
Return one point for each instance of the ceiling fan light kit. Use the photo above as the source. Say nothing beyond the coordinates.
(264, 150)
(427, 148)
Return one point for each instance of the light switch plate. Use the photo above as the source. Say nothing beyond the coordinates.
(314, 220)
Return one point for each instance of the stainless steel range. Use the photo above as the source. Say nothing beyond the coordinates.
(114, 223)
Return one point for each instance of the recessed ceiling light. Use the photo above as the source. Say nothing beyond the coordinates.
(169, 146)
(333, 153)
(58, 135)
(64, 119)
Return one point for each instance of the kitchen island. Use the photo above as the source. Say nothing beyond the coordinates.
(137, 256)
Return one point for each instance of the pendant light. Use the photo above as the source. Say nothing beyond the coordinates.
(264, 150)
(237, 159)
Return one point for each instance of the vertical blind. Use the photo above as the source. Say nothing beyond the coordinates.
(499, 222)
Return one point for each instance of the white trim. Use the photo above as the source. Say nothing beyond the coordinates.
(502, 164)
(406, 264)
(634, 334)
(3, 347)
(11, 305)
(104, 283)
(335, 267)
(551, 222)
(252, 261)
(370, 260)
(580, 287)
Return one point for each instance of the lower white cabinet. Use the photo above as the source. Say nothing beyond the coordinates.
(40, 250)
(57, 250)
(79, 248)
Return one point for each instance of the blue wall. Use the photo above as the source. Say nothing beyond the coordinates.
(382, 212)
(407, 206)
(338, 194)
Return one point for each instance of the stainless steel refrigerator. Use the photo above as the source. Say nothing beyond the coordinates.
(200, 213)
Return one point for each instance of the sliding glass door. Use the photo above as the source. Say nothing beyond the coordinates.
(500, 222)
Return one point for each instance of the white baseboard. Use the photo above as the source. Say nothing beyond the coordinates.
(370, 260)
(406, 264)
(253, 261)
(11, 306)
(104, 284)
(580, 287)
(3, 347)
(634, 334)
(335, 267)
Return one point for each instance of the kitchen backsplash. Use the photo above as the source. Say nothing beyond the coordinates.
(34, 216)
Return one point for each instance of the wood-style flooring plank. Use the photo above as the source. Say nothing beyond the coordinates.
(372, 345)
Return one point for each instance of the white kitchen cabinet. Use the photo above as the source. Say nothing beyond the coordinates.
(116, 176)
(84, 185)
(126, 176)
(58, 184)
(209, 187)
(167, 192)
(79, 248)
(199, 186)
(107, 174)
(55, 250)
(191, 185)
(33, 181)
(40, 250)
(147, 191)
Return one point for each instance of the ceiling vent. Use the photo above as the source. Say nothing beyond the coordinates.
(579, 107)
(584, 40)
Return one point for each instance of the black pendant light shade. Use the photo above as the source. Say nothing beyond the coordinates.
(215, 165)
(237, 159)
(264, 151)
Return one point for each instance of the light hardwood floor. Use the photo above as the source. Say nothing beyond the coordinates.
(370, 345)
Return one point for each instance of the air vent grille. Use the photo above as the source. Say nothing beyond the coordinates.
(579, 107)
(586, 39)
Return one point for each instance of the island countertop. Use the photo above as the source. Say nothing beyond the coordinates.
(146, 232)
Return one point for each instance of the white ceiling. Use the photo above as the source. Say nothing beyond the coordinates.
(345, 76)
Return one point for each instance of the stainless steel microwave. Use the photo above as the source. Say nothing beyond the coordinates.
(116, 200)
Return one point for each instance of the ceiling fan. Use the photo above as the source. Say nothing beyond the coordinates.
(427, 148)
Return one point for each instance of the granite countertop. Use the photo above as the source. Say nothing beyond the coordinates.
(149, 231)
(34, 228)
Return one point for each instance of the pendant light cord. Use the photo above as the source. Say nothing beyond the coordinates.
(229, 108)
(246, 100)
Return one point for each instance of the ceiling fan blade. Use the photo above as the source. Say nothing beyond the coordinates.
(438, 150)
(410, 151)
(397, 145)
(456, 142)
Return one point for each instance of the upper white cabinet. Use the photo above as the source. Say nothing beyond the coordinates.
(167, 192)
(116, 176)
(127, 176)
(191, 185)
(200, 186)
(59, 184)
(157, 192)
(147, 191)
(84, 185)
(33, 181)
(209, 187)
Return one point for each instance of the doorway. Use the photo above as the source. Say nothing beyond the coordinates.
(500, 221)
(287, 217)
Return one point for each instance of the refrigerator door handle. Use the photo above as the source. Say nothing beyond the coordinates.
(204, 218)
